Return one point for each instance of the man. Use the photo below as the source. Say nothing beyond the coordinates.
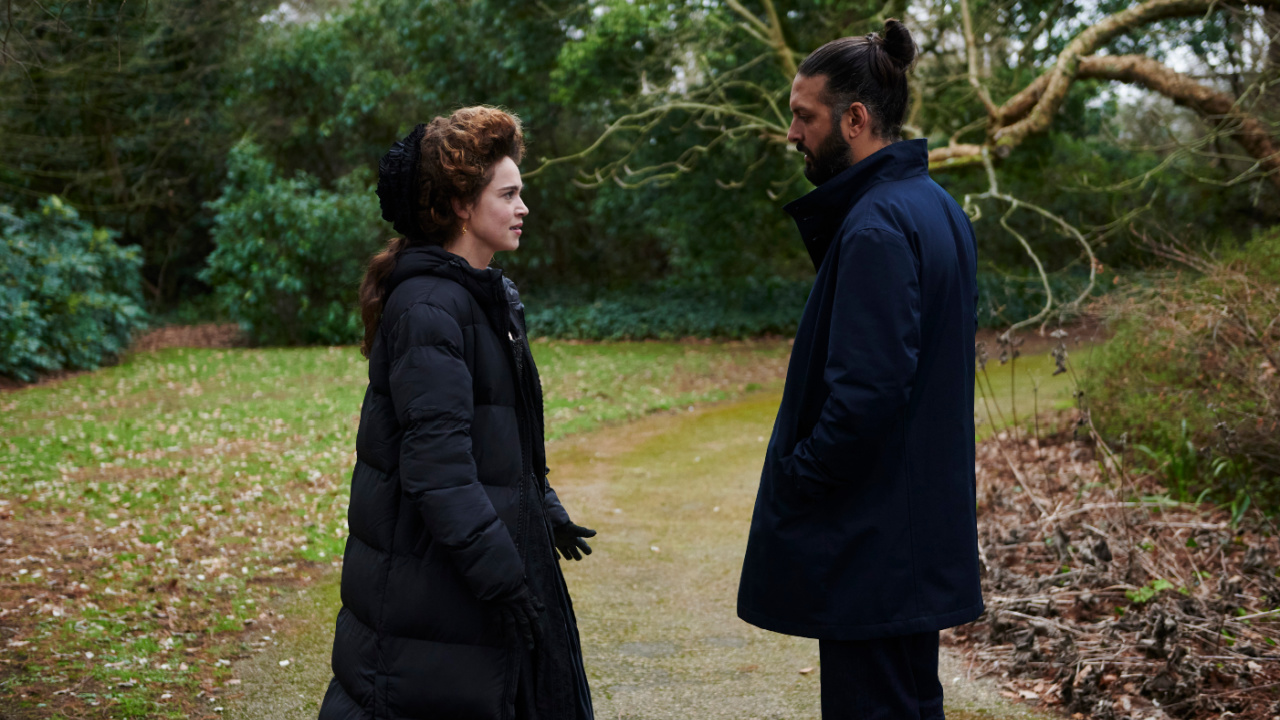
(864, 534)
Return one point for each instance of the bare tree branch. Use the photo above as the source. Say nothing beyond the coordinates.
(954, 156)
(993, 192)
(971, 48)
(749, 16)
(772, 32)
(651, 118)
(1252, 134)
(1058, 79)
(1031, 110)
(1018, 106)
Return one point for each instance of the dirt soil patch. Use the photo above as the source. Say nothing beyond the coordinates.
(48, 564)
(208, 335)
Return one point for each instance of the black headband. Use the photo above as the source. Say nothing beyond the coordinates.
(398, 183)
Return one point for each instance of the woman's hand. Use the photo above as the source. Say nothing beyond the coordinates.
(569, 540)
(521, 617)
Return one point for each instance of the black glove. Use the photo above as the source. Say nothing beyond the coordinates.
(520, 616)
(569, 540)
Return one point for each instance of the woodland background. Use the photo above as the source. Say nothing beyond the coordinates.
(234, 143)
(201, 172)
(177, 161)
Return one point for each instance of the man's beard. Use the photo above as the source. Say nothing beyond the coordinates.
(831, 158)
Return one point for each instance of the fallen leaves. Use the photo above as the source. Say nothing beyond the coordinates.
(1106, 597)
(143, 515)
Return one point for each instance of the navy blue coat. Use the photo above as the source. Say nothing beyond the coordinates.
(865, 523)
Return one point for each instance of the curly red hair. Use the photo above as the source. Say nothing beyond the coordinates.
(458, 156)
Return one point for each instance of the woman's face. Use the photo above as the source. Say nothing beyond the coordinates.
(497, 217)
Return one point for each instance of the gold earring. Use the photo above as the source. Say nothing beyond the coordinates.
(464, 228)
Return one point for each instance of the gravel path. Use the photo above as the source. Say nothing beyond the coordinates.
(671, 496)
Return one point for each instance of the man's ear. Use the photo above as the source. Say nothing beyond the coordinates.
(461, 210)
(855, 122)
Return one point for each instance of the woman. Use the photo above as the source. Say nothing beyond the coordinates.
(453, 601)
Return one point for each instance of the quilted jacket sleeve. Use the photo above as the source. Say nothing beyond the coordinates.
(432, 392)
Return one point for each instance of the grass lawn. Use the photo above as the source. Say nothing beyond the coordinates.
(151, 510)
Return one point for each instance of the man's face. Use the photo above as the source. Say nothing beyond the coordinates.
(815, 133)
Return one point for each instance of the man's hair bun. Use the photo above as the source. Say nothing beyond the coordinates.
(898, 44)
(871, 69)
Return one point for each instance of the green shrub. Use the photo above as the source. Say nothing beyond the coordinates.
(1004, 298)
(289, 254)
(658, 312)
(750, 307)
(70, 297)
(1189, 381)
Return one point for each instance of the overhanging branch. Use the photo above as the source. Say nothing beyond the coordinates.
(1214, 106)
(1057, 80)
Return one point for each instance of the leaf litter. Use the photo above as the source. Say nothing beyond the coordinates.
(1109, 600)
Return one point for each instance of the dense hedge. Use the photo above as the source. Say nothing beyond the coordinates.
(289, 254)
(751, 308)
(1005, 298)
(746, 310)
(1189, 383)
(70, 297)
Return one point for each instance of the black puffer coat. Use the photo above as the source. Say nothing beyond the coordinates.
(450, 512)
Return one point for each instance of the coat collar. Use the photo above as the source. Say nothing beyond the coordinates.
(495, 293)
(819, 214)
(435, 260)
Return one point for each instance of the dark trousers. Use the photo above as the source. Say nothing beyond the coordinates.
(887, 679)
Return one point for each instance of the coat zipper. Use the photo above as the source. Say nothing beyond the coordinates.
(522, 425)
